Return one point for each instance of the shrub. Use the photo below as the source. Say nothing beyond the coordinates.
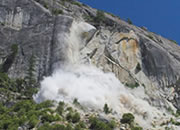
(33, 121)
(174, 122)
(45, 104)
(14, 49)
(6, 82)
(76, 118)
(127, 118)
(75, 102)
(88, 18)
(78, 127)
(112, 124)
(22, 119)
(8, 122)
(96, 124)
(174, 41)
(138, 67)
(178, 112)
(144, 28)
(82, 124)
(20, 84)
(136, 128)
(57, 11)
(132, 86)
(58, 127)
(100, 17)
(69, 127)
(150, 36)
(49, 118)
(45, 126)
(76, 3)
(177, 123)
(69, 109)
(73, 117)
(69, 116)
(2, 109)
(61, 104)
(25, 105)
(129, 21)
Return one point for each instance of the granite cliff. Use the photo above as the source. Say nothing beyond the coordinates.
(60, 32)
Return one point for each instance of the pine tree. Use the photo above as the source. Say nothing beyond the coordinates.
(31, 83)
(31, 70)
(106, 109)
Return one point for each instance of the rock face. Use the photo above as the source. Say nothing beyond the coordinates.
(43, 28)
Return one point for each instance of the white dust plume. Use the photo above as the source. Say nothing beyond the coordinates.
(93, 88)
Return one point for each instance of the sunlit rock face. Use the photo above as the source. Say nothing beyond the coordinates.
(14, 19)
(127, 48)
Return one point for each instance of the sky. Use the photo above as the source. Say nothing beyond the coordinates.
(159, 16)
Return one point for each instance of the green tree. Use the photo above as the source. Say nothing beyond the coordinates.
(69, 127)
(76, 118)
(49, 118)
(100, 17)
(60, 108)
(58, 127)
(69, 116)
(136, 128)
(33, 121)
(106, 109)
(82, 124)
(31, 70)
(78, 127)
(45, 104)
(97, 124)
(31, 84)
(45, 126)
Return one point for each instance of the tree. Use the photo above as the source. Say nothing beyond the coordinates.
(30, 72)
(129, 21)
(106, 109)
(31, 83)
(97, 124)
(75, 118)
(60, 108)
(100, 17)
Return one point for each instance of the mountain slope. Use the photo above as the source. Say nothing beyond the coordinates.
(66, 33)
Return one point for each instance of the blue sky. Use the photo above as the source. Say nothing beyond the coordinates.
(159, 16)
